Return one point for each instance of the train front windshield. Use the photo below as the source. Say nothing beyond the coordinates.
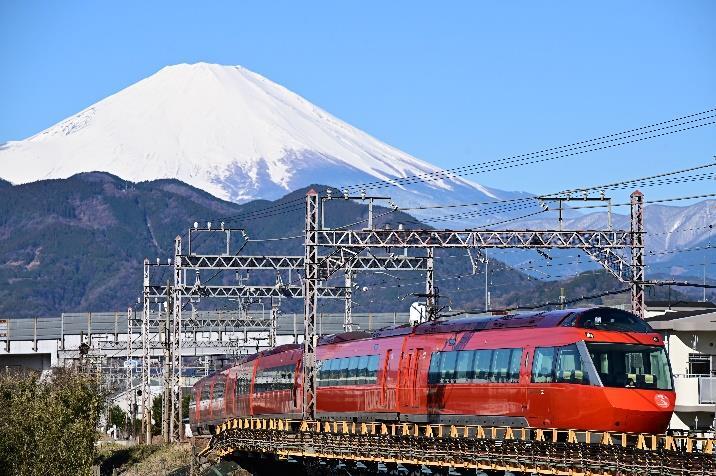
(631, 365)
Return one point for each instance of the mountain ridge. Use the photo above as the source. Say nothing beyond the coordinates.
(230, 132)
(77, 244)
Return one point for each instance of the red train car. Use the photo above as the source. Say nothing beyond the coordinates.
(594, 369)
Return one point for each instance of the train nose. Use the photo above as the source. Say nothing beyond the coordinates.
(642, 411)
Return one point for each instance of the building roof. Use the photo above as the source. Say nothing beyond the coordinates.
(695, 320)
(680, 305)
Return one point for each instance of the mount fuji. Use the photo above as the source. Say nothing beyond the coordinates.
(230, 132)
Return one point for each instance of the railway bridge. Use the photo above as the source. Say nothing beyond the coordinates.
(349, 447)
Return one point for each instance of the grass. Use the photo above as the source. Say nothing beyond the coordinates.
(142, 460)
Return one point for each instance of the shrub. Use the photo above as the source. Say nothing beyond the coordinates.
(48, 424)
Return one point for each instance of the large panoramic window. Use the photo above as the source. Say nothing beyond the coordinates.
(475, 366)
(543, 365)
(559, 364)
(631, 365)
(274, 378)
(357, 370)
(569, 366)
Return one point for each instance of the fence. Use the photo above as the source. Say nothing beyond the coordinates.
(115, 323)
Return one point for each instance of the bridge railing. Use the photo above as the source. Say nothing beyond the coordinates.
(472, 447)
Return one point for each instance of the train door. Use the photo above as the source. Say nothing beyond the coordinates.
(406, 361)
(407, 384)
(418, 387)
(539, 390)
(387, 393)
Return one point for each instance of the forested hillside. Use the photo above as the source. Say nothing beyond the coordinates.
(78, 244)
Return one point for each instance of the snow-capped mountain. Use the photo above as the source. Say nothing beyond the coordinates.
(228, 131)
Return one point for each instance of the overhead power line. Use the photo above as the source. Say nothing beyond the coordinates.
(546, 304)
(652, 131)
(678, 124)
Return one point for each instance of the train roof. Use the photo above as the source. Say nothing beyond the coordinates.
(507, 321)
(540, 319)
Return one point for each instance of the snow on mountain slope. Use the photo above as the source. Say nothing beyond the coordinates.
(228, 131)
(667, 227)
(678, 239)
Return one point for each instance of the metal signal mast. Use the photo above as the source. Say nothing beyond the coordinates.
(175, 295)
(351, 251)
(602, 246)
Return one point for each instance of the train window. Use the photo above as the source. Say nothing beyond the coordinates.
(500, 365)
(205, 391)
(321, 374)
(242, 383)
(475, 366)
(434, 370)
(352, 375)
(608, 319)
(324, 374)
(343, 371)
(218, 391)
(463, 371)
(357, 370)
(336, 372)
(373, 369)
(362, 375)
(515, 362)
(569, 366)
(481, 365)
(447, 367)
(274, 378)
(330, 369)
(631, 365)
(261, 382)
(542, 365)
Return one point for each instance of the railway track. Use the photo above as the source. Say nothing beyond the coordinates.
(452, 449)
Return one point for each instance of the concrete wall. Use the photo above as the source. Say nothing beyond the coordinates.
(689, 412)
(35, 361)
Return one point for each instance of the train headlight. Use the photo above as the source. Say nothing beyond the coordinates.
(589, 335)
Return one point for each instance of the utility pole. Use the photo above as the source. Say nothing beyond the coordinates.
(146, 361)
(487, 292)
(176, 423)
(310, 296)
(167, 394)
(637, 254)
(706, 257)
(430, 294)
(348, 317)
(274, 323)
(128, 389)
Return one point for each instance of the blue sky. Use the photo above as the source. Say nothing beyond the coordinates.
(451, 83)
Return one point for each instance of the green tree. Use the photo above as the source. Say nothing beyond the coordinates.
(157, 407)
(48, 423)
(117, 416)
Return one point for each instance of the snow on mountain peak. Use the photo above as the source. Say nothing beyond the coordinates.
(224, 129)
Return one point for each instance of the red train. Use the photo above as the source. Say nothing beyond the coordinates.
(594, 369)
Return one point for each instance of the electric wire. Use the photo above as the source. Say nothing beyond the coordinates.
(590, 145)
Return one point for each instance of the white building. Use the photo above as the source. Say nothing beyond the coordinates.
(689, 330)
